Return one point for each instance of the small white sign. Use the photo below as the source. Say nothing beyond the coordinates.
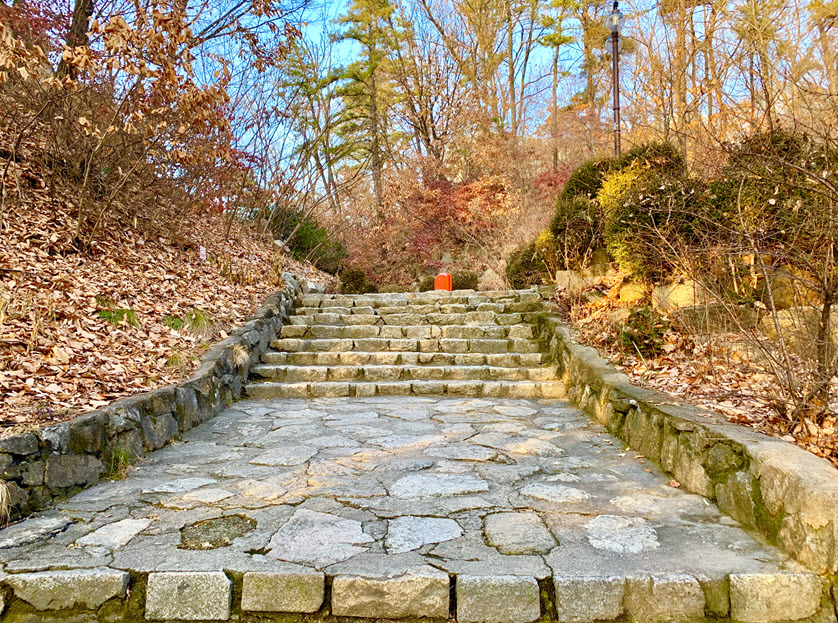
(202, 253)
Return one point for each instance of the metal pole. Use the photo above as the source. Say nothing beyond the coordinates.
(615, 79)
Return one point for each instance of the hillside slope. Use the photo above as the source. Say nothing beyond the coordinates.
(132, 312)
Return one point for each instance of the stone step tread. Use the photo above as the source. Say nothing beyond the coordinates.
(423, 308)
(488, 319)
(266, 390)
(425, 331)
(441, 297)
(392, 358)
(377, 373)
(517, 345)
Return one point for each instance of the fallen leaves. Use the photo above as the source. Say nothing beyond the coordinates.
(60, 357)
(712, 372)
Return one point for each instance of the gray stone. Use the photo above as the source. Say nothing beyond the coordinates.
(666, 598)
(23, 444)
(424, 486)
(497, 599)
(589, 599)
(80, 588)
(158, 430)
(622, 535)
(181, 485)
(555, 493)
(518, 533)
(267, 591)
(188, 596)
(764, 597)
(405, 534)
(32, 530)
(287, 455)
(318, 539)
(71, 470)
(116, 534)
(419, 593)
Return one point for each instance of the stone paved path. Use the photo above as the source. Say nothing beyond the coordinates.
(393, 496)
(408, 457)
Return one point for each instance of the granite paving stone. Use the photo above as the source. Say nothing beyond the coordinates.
(387, 499)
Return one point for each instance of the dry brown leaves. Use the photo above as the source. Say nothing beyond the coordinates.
(58, 356)
(714, 372)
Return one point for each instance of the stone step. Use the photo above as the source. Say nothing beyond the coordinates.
(373, 344)
(395, 307)
(373, 373)
(475, 318)
(404, 358)
(458, 297)
(267, 390)
(421, 332)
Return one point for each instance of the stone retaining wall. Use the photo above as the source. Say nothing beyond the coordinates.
(62, 459)
(787, 494)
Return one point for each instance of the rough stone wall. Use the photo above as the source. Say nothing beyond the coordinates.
(55, 462)
(785, 493)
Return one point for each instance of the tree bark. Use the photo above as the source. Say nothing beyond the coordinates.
(77, 35)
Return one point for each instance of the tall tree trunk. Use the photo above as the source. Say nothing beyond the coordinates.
(77, 35)
(510, 51)
(680, 78)
(828, 59)
(375, 150)
(554, 126)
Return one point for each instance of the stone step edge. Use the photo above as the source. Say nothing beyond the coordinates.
(374, 345)
(426, 592)
(267, 390)
(390, 373)
(399, 353)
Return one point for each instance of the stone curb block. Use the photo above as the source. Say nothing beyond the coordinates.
(58, 590)
(188, 596)
(61, 459)
(589, 599)
(497, 599)
(282, 592)
(423, 593)
(784, 492)
(755, 598)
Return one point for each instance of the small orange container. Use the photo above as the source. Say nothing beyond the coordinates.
(443, 282)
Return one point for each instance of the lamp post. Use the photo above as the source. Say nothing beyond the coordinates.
(614, 22)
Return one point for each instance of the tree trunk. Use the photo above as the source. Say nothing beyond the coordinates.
(77, 35)
(510, 51)
(554, 126)
(680, 78)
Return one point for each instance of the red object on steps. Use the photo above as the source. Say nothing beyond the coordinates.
(443, 282)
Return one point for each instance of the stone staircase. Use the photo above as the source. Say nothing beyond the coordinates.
(458, 343)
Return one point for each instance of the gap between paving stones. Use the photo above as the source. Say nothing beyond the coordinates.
(58, 461)
(787, 494)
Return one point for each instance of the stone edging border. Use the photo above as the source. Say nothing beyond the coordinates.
(787, 494)
(58, 461)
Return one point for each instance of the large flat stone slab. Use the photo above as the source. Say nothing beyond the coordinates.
(518, 533)
(319, 539)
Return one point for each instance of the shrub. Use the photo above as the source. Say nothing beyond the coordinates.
(586, 180)
(663, 157)
(355, 281)
(526, 267)
(426, 283)
(576, 229)
(643, 331)
(465, 280)
(307, 240)
(650, 222)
